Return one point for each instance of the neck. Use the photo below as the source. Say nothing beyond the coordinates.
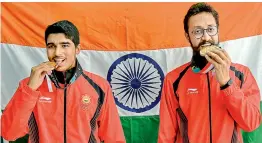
(65, 76)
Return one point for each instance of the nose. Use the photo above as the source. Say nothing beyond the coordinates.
(205, 36)
(58, 50)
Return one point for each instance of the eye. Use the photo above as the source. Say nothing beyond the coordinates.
(50, 46)
(198, 31)
(211, 29)
(65, 45)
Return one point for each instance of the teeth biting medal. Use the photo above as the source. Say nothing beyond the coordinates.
(58, 62)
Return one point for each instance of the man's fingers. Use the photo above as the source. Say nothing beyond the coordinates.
(44, 64)
(47, 68)
(210, 60)
(220, 53)
(44, 68)
(223, 55)
(227, 55)
(215, 57)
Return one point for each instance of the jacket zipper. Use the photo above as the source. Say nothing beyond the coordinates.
(209, 106)
(65, 89)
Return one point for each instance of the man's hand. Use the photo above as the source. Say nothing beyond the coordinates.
(221, 61)
(38, 73)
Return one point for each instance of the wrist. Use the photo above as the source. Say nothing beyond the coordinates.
(227, 84)
(31, 86)
(224, 82)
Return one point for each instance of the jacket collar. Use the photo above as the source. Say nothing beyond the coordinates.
(67, 77)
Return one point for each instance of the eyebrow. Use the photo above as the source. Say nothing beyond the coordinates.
(202, 27)
(197, 27)
(64, 43)
(51, 43)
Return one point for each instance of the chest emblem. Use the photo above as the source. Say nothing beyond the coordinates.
(85, 102)
(86, 99)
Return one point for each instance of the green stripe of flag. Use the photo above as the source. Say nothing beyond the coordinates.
(140, 129)
(254, 136)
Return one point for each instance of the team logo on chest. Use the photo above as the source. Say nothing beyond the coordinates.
(85, 101)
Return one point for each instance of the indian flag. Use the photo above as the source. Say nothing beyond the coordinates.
(132, 45)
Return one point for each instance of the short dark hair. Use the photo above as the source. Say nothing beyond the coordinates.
(66, 27)
(198, 8)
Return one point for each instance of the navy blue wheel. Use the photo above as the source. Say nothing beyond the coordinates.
(136, 82)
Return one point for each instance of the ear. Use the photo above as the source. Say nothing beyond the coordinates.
(187, 37)
(78, 48)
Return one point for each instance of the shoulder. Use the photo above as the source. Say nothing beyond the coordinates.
(98, 80)
(25, 80)
(173, 74)
(239, 68)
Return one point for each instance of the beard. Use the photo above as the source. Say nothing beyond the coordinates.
(198, 60)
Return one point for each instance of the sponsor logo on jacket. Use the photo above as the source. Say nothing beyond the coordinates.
(192, 91)
(45, 99)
